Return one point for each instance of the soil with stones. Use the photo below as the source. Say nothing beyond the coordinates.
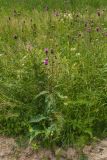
(9, 150)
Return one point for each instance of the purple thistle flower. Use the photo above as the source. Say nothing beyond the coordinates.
(46, 50)
(46, 61)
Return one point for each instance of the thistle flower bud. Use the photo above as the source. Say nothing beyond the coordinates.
(52, 51)
(46, 61)
(46, 50)
(98, 13)
(97, 29)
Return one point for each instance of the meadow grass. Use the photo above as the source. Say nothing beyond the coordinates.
(53, 71)
(52, 4)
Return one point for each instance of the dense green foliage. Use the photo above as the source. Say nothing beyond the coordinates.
(53, 71)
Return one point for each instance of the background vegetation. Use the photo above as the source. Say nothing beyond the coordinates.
(53, 70)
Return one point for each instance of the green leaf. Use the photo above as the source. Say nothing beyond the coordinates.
(35, 134)
(89, 132)
(61, 96)
(38, 119)
(50, 130)
(40, 94)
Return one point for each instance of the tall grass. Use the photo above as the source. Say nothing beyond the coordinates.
(53, 4)
(53, 78)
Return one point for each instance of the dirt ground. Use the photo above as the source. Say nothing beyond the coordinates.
(9, 150)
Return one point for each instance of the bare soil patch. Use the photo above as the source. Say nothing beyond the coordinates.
(9, 150)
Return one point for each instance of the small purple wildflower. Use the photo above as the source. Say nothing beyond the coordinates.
(46, 50)
(46, 61)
